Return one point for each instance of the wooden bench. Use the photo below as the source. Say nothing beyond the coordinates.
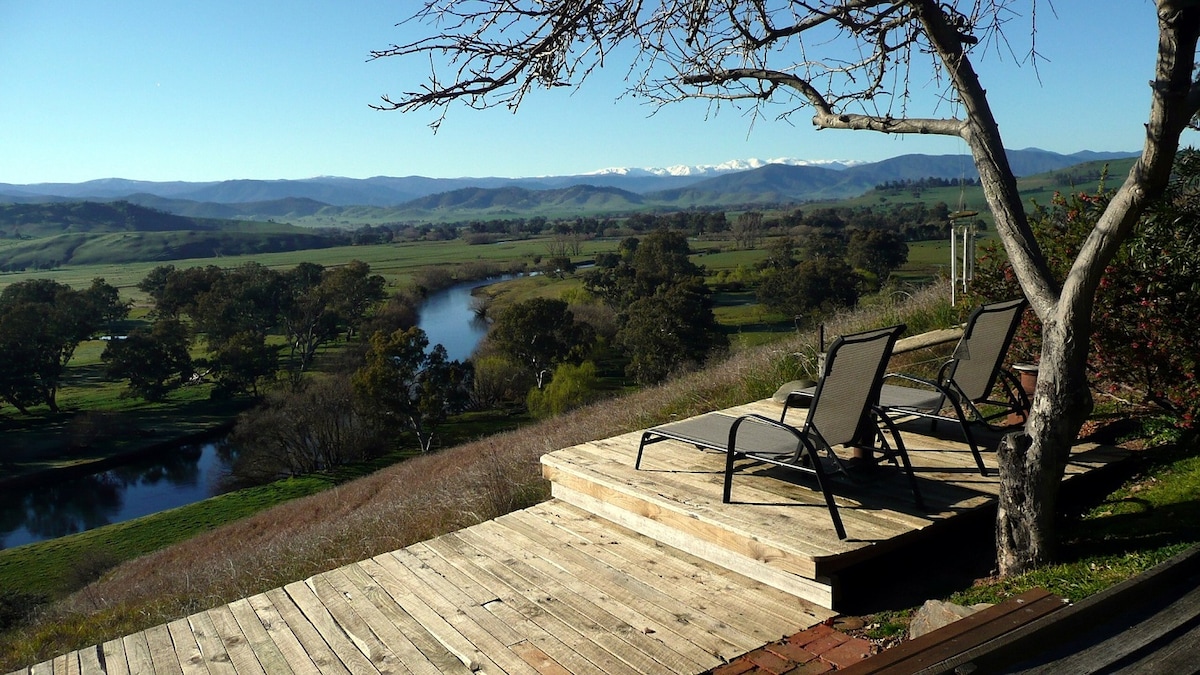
(940, 650)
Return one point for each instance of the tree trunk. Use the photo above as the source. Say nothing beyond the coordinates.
(1032, 463)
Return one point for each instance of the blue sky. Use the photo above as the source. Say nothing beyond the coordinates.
(214, 90)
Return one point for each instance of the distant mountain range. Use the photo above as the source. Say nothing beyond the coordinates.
(613, 190)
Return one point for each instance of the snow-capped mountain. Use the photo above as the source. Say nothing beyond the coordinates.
(732, 166)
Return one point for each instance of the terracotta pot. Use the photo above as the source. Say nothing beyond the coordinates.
(1027, 373)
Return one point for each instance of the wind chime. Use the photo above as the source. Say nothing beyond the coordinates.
(962, 259)
(962, 229)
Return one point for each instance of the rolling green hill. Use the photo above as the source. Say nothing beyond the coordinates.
(40, 236)
(47, 235)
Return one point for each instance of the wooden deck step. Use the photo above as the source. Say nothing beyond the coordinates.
(778, 530)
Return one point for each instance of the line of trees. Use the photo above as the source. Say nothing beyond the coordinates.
(235, 311)
(916, 222)
(647, 312)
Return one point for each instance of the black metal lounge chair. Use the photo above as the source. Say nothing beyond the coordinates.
(840, 412)
(968, 379)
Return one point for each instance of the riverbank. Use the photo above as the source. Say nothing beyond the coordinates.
(99, 429)
(104, 462)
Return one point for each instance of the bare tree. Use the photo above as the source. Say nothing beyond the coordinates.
(748, 229)
(850, 61)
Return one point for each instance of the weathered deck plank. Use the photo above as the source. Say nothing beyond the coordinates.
(292, 625)
(235, 642)
(627, 590)
(337, 611)
(607, 623)
(162, 651)
(323, 623)
(702, 635)
(137, 650)
(424, 618)
(555, 617)
(89, 661)
(114, 657)
(416, 648)
(186, 649)
(258, 609)
(693, 582)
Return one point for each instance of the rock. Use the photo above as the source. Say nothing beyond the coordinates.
(780, 396)
(847, 624)
(934, 614)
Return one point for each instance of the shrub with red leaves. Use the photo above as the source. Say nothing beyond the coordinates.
(1146, 317)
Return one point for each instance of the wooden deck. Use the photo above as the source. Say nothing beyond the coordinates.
(550, 589)
(779, 531)
(624, 572)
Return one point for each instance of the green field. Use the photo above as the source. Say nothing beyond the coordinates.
(395, 262)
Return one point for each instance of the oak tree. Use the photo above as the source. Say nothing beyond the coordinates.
(540, 334)
(154, 360)
(42, 322)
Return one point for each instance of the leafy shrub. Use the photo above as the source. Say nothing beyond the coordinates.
(1147, 309)
(318, 426)
(571, 387)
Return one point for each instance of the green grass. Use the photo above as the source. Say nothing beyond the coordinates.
(395, 262)
(1152, 517)
(97, 422)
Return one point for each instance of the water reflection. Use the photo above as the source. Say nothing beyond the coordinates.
(181, 476)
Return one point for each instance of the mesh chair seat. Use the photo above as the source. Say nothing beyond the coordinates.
(910, 397)
(711, 432)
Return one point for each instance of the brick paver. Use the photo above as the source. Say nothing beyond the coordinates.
(849, 652)
(819, 649)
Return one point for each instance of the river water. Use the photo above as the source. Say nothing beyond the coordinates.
(448, 318)
(194, 472)
(40, 512)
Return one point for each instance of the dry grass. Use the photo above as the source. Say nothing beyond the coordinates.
(412, 501)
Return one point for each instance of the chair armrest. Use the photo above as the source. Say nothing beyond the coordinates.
(799, 435)
(929, 388)
(917, 380)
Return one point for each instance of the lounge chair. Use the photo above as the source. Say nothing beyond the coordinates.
(840, 412)
(968, 379)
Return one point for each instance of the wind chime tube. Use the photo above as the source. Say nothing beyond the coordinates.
(953, 264)
(971, 257)
(966, 236)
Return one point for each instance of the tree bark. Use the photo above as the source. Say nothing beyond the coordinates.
(1032, 462)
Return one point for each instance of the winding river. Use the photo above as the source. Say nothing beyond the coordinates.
(196, 471)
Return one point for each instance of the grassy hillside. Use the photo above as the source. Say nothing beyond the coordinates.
(42, 236)
(93, 249)
(1038, 189)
